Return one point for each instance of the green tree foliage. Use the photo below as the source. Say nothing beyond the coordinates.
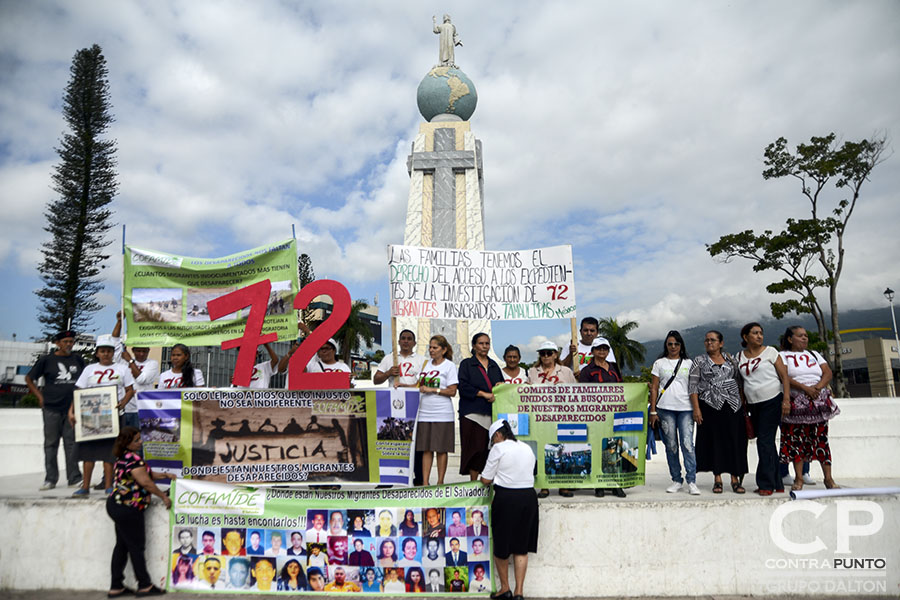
(354, 331)
(810, 252)
(305, 275)
(628, 352)
(85, 183)
(645, 377)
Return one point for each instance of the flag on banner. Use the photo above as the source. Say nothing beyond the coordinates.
(399, 403)
(628, 421)
(394, 470)
(571, 432)
(518, 422)
(168, 400)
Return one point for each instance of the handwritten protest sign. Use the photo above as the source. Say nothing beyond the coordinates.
(447, 283)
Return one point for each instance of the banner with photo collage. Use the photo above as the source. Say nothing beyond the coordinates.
(243, 436)
(287, 540)
(584, 436)
(165, 296)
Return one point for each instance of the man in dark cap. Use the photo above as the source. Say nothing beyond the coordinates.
(60, 370)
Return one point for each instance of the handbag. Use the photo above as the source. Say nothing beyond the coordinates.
(808, 411)
(751, 433)
(657, 428)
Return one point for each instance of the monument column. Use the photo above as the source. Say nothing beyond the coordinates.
(445, 208)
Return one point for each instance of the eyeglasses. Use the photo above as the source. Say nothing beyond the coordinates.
(673, 344)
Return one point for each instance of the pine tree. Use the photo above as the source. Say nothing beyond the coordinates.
(305, 276)
(85, 183)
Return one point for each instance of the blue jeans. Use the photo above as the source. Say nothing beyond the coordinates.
(678, 425)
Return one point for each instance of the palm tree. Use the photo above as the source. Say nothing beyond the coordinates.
(354, 329)
(628, 352)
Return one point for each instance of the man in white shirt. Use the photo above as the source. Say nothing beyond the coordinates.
(590, 329)
(406, 373)
(145, 371)
(263, 371)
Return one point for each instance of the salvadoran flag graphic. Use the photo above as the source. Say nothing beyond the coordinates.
(571, 432)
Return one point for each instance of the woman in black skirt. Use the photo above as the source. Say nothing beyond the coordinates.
(722, 429)
(510, 467)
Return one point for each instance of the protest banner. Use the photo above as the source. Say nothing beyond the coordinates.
(268, 540)
(233, 435)
(447, 283)
(165, 297)
(584, 436)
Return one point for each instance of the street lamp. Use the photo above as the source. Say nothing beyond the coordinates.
(889, 294)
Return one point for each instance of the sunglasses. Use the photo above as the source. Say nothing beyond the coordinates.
(546, 353)
(673, 344)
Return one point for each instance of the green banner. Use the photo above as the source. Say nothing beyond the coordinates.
(165, 296)
(235, 435)
(277, 540)
(585, 436)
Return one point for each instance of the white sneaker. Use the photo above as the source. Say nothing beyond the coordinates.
(787, 480)
(47, 486)
(807, 480)
(674, 488)
(693, 489)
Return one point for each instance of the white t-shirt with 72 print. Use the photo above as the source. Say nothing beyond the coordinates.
(434, 408)
(410, 367)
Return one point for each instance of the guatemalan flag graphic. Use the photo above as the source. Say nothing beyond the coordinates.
(401, 404)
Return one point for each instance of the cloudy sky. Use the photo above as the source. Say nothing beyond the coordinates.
(632, 130)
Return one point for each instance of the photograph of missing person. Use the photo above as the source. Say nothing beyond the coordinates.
(359, 523)
(567, 459)
(183, 575)
(209, 539)
(620, 454)
(480, 577)
(456, 521)
(291, 574)
(209, 573)
(370, 579)
(477, 521)
(237, 573)
(263, 571)
(456, 579)
(186, 540)
(433, 525)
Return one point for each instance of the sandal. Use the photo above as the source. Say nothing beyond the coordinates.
(717, 487)
(543, 493)
(566, 493)
(153, 591)
(125, 592)
(737, 488)
(831, 485)
(797, 485)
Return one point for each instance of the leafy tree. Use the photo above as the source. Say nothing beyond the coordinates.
(794, 253)
(811, 251)
(85, 183)
(645, 377)
(354, 331)
(628, 352)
